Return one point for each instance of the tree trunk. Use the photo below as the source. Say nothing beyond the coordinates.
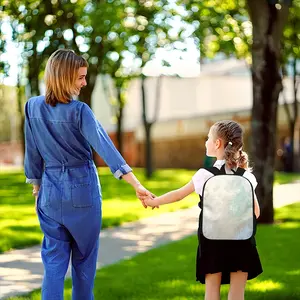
(268, 23)
(148, 147)
(33, 75)
(120, 120)
(22, 118)
(147, 127)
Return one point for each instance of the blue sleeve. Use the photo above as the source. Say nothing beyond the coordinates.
(97, 137)
(33, 162)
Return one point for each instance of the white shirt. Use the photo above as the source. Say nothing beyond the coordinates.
(202, 175)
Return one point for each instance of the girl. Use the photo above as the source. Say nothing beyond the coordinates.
(59, 135)
(221, 261)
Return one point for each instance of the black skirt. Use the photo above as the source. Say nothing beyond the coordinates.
(214, 256)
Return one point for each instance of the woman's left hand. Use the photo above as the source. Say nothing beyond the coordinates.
(36, 203)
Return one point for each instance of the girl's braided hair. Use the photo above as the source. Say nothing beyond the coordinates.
(231, 133)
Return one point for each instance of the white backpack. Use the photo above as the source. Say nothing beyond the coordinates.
(228, 206)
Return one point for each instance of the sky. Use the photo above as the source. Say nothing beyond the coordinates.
(10, 55)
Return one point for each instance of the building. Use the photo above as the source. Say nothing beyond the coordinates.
(187, 108)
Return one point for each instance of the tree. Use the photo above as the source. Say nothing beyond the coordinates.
(268, 21)
(114, 64)
(93, 29)
(103, 34)
(41, 27)
(152, 21)
(149, 122)
(224, 26)
(117, 100)
(45, 26)
(4, 66)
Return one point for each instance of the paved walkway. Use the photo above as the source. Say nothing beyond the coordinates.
(21, 271)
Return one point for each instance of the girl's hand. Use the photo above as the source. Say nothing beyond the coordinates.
(149, 201)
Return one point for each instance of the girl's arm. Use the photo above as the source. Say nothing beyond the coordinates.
(256, 207)
(172, 196)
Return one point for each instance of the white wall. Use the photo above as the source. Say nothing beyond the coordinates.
(101, 102)
(181, 99)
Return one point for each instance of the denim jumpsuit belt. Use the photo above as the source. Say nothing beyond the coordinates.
(69, 211)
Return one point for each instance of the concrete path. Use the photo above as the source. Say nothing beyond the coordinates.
(21, 271)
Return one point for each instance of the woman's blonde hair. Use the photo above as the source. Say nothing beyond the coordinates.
(231, 133)
(60, 75)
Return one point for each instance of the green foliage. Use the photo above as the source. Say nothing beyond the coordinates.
(105, 32)
(221, 26)
(224, 26)
(291, 49)
(168, 272)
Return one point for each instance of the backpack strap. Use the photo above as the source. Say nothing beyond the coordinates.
(213, 170)
(239, 171)
(216, 171)
(222, 170)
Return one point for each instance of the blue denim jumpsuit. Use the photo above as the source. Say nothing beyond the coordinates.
(58, 157)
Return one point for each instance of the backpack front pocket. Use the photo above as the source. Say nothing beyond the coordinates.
(81, 195)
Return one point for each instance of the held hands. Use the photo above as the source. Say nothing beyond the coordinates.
(144, 194)
(149, 201)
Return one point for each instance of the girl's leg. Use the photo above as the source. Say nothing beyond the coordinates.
(237, 285)
(212, 286)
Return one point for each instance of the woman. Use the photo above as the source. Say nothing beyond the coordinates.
(59, 136)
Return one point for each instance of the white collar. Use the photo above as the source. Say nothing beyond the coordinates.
(219, 163)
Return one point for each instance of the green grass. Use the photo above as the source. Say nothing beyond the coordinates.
(19, 225)
(168, 272)
(282, 178)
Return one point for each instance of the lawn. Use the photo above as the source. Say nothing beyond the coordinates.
(168, 272)
(19, 225)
